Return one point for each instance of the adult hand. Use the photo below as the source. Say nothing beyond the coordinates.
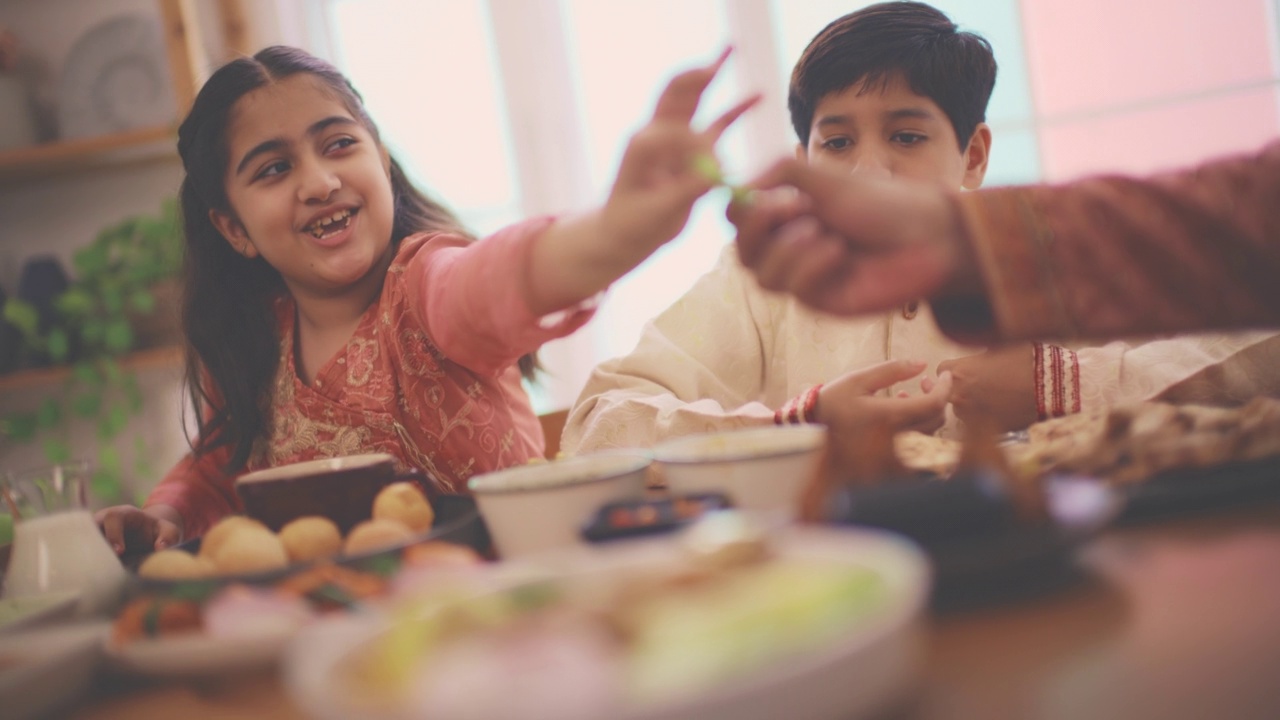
(870, 245)
(849, 402)
(998, 385)
(129, 528)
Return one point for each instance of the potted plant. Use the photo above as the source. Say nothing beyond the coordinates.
(109, 309)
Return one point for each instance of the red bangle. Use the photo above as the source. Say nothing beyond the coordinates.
(799, 409)
(808, 413)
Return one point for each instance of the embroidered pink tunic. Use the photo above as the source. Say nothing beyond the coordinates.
(428, 376)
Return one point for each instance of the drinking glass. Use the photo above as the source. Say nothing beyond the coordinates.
(57, 546)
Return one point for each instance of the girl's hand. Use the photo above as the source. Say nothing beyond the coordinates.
(659, 179)
(129, 528)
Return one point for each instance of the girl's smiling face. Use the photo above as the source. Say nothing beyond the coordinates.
(309, 188)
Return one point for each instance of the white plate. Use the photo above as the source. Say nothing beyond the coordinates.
(43, 670)
(861, 672)
(197, 655)
(116, 78)
(25, 612)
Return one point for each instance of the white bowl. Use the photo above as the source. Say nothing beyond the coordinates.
(762, 469)
(859, 672)
(540, 506)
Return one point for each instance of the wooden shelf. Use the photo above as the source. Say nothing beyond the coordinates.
(170, 357)
(71, 156)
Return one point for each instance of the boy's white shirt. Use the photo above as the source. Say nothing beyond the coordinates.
(727, 354)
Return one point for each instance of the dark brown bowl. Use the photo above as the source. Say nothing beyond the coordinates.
(341, 489)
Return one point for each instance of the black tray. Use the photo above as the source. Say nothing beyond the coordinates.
(457, 520)
(1188, 491)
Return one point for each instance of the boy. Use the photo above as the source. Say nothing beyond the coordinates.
(892, 90)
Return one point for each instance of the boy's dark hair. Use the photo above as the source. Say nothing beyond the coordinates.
(232, 347)
(871, 46)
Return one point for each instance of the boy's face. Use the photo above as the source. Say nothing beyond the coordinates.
(893, 132)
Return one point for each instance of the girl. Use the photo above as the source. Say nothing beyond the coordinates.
(333, 309)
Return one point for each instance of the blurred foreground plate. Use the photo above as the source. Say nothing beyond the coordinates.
(42, 671)
(860, 671)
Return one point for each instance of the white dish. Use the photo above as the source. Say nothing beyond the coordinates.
(862, 671)
(116, 78)
(25, 612)
(44, 670)
(759, 469)
(197, 655)
(542, 506)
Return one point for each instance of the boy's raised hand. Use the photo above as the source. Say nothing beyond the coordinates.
(659, 179)
(128, 528)
(855, 245)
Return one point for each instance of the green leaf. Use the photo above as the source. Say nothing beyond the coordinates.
(6, 529)
(49, 414)
(20, 426)
(111, 370)
(56, 450)
(93, 332)
(87, 405)
(112, 423)
(132, 395)
(59, 345)
(85, 372)
(76, 302)
(91, 259)
(22, 315)
(144, 301)
(109, 459)
(119, 337)
(112, 298)
(106, 485)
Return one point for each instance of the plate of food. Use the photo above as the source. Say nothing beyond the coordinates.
(719, 621)
(231, 599)
(47, 669)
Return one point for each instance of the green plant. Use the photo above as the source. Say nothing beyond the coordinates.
(116, 277)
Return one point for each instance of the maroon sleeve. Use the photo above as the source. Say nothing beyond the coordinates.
(1112, 256)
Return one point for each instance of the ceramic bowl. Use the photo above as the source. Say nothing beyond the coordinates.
(540, 506)
(341, 489)
(763, 469)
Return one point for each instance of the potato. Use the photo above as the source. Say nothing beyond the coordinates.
(250, 550)
(376, 534)
(403, 501)
(310, 538)
(214, 537)
(175, 565)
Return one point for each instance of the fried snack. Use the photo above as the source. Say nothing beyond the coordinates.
(403, 501)
(175, 564)
(310, 538)
(376, 534)
(216, 535)
(149, 617)
(250, 550)
(441, 554)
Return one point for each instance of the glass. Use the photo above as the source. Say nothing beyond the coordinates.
(57, 546)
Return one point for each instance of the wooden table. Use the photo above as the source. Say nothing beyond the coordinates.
(1178, 620)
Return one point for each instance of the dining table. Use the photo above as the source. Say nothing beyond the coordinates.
(1175, 618)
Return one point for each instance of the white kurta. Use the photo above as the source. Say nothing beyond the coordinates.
(727, 354)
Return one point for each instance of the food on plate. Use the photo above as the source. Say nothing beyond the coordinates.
(1133, 442)
(590, 644)
(376, 534)
(243, 611)
(153, 617)
(212, 540)
(310, 538)
(174, 564)
(403, 501)
(250, 550)
(1124, 444)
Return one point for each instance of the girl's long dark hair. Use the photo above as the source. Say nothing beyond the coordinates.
(233, 347)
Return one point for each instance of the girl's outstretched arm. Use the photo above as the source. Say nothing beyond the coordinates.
(658, 182)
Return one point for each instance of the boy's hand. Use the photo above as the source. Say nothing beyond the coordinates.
(129, 528)
(849, 403)
(659, 178)
(998, 385)
(871, 246)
